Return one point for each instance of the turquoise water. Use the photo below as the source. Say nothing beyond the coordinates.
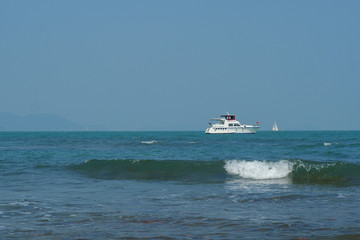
(180, 185)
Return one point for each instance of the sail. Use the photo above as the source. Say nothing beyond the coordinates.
(275, 127)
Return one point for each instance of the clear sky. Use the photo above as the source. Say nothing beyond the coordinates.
(172, 65)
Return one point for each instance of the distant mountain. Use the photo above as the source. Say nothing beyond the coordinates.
(40, 122)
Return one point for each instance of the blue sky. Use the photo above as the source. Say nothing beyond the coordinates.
(172, 65)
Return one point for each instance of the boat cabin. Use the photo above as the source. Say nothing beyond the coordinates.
(229, 117)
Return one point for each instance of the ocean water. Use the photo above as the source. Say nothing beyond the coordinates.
(180, 185)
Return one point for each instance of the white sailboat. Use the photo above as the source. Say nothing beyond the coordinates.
(275, 127)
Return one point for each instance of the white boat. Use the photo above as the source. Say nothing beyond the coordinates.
(228, 124)
(275, 127)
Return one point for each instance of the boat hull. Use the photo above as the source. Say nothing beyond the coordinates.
(232, 130)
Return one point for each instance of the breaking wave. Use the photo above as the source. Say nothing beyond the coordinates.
(297, 171)
(258, 169)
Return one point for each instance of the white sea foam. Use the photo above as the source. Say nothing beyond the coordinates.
(149, 142)
(258, 169)
(327, 144)
(20, 203)
(340, 195)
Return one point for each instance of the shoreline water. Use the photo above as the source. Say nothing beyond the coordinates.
(179, 185)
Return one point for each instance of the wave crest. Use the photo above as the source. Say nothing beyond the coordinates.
(334, 173)
(297, 171)
(176, 170)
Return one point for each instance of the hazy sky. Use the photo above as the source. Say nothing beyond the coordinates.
(172, 65)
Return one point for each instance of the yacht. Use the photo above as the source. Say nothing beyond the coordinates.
(228, 124)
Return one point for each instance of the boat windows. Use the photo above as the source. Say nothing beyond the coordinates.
(230, 124)
(229, 117)
(237, 125)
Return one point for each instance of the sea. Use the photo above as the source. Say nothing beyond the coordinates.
(180, 185)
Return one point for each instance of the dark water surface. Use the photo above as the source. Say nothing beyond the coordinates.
(180, 185)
